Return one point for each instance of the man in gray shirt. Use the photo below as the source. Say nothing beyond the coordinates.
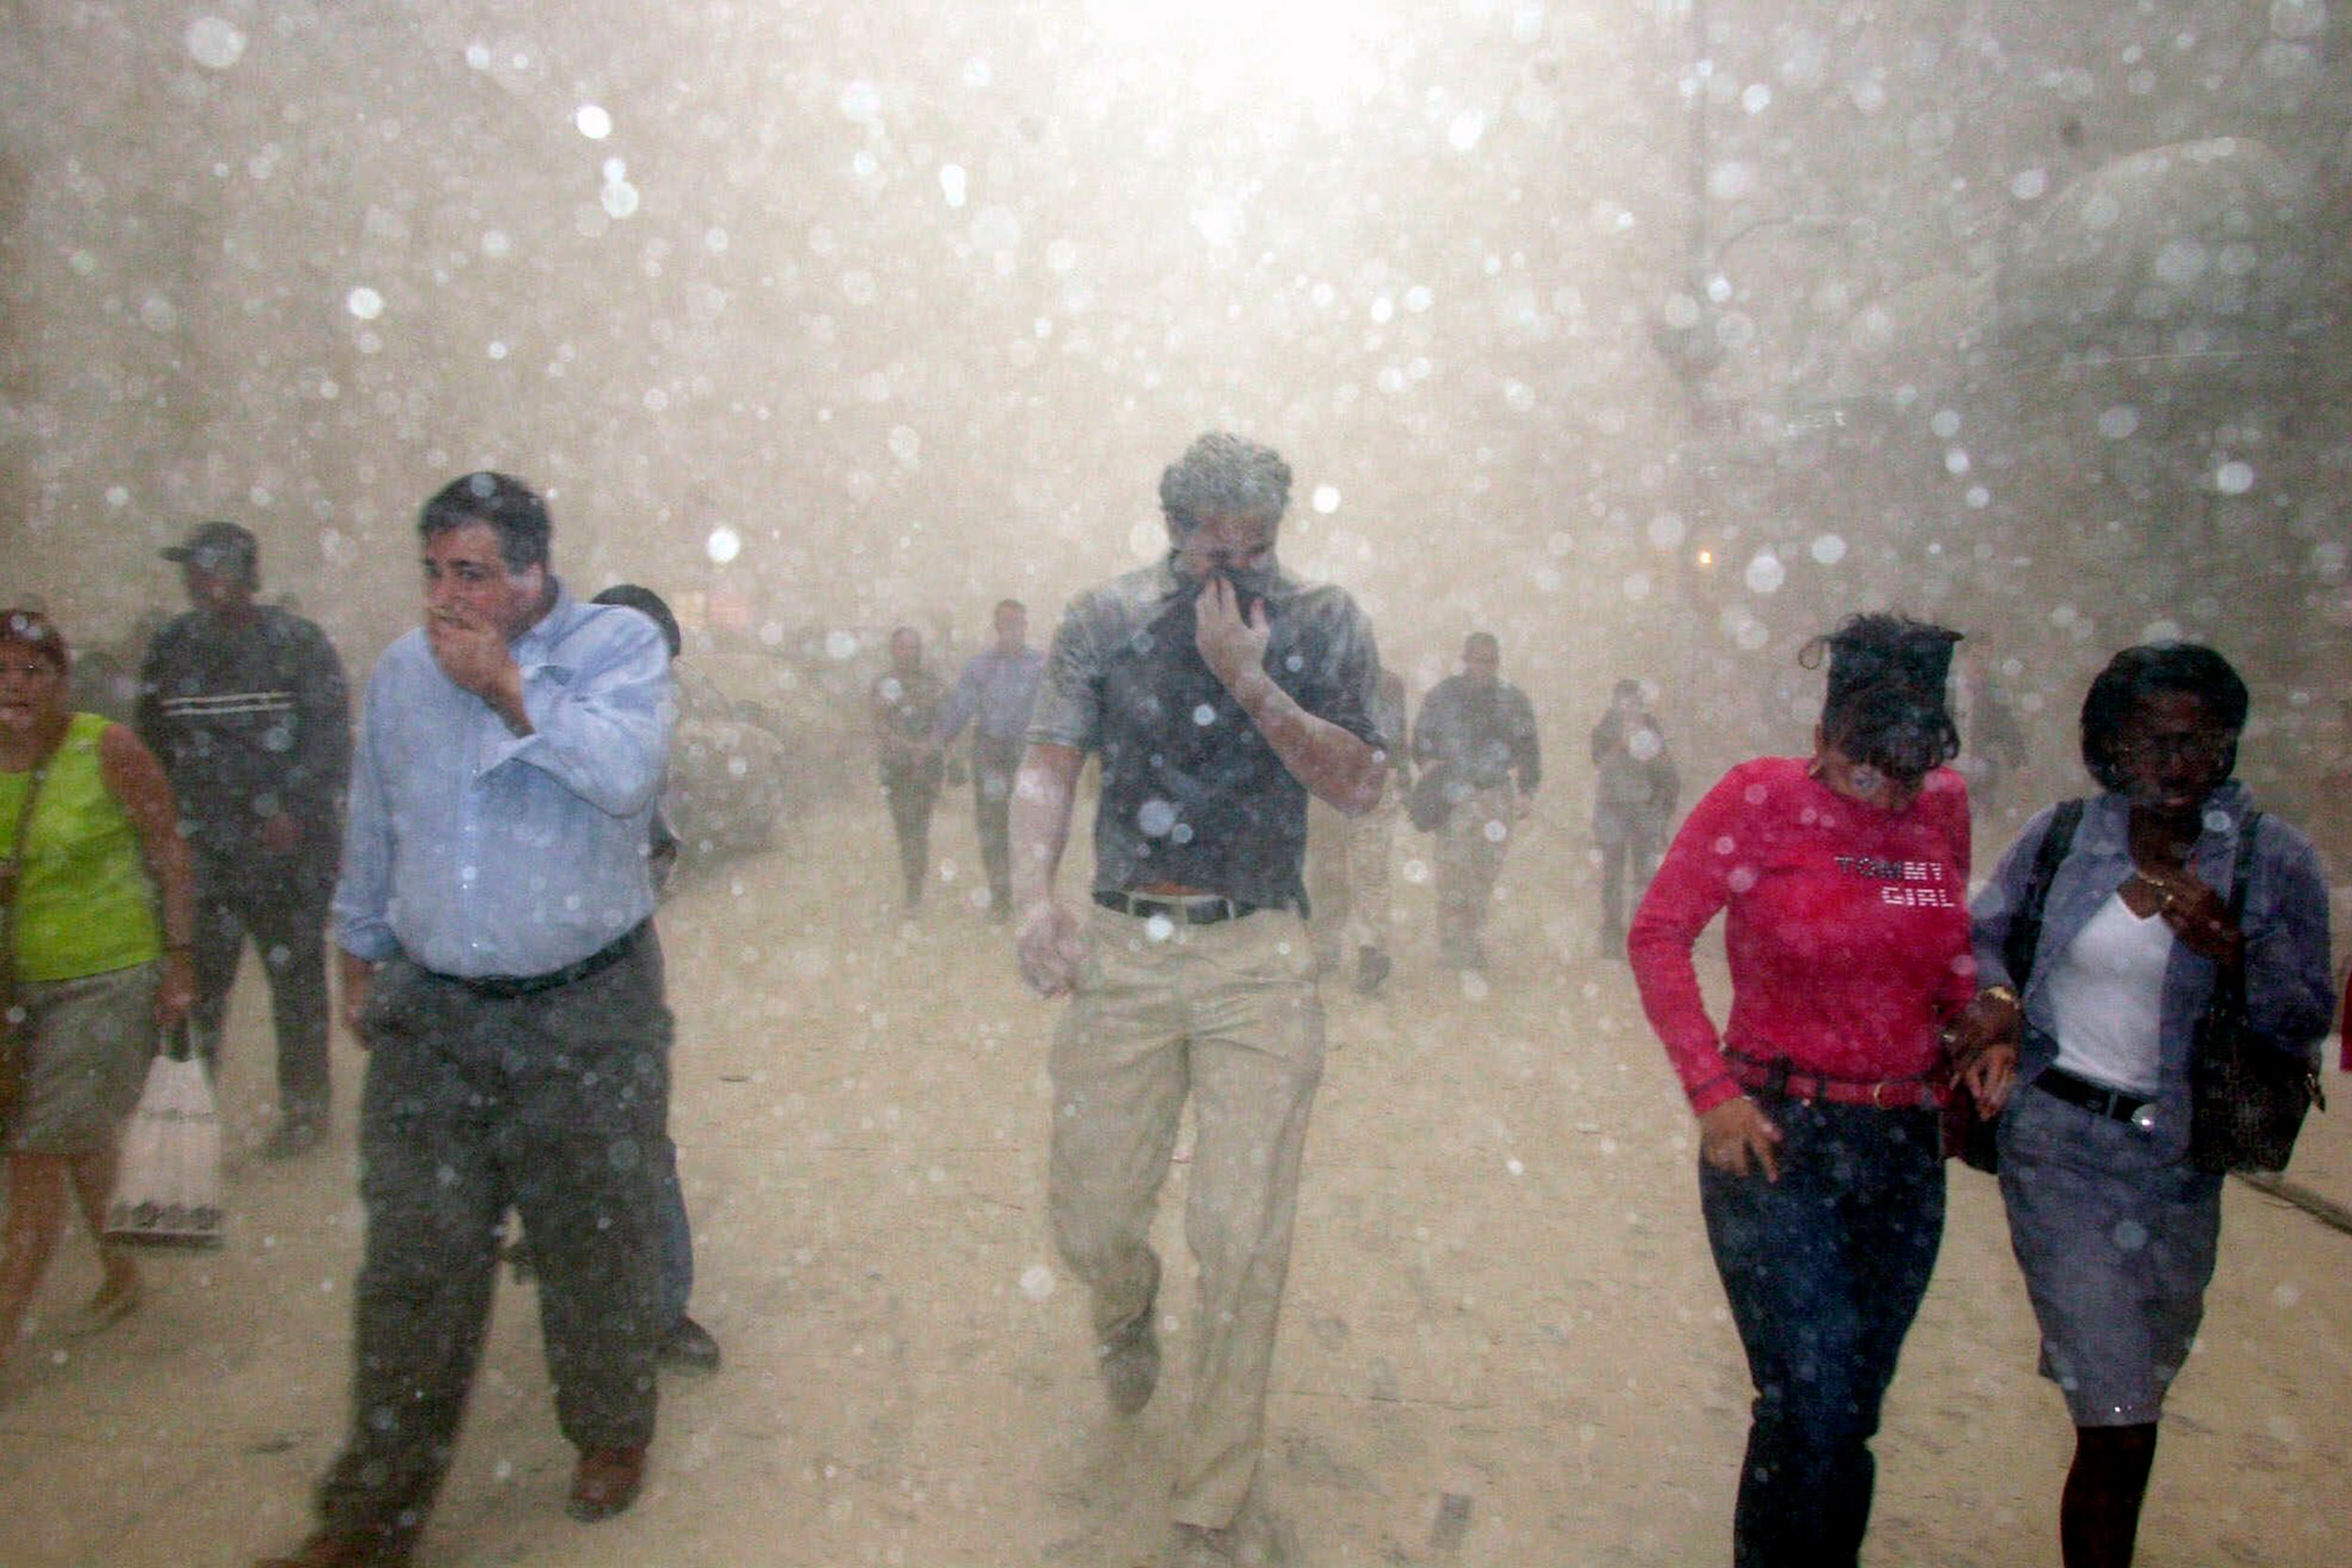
(1218, 692)
(994, 694)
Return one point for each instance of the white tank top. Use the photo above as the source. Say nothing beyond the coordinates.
(2107, 996)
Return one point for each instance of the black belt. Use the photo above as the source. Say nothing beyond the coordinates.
(2095, 1098)
(505, 987)
(1189, 911)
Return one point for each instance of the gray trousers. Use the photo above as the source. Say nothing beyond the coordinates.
(553, 1104)
(287, 918)
(993, 765)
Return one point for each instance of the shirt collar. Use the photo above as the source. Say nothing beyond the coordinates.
(538, 639)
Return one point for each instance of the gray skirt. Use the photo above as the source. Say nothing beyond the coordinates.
(2116, 1245)
(86, 1044)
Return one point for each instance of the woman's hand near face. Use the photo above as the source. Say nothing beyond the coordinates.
(2197, 914)
(1733, 1134)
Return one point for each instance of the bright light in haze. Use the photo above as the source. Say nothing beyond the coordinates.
(1309, 49)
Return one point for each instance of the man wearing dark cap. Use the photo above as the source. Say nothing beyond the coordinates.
(247, 706)
(1219, 693)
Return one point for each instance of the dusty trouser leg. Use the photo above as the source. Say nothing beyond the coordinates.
(677, 1234)
(1327, 877)
(219, 943)
(910, 822)
(1469, 859)
(1120, 1076)
(2099, 1513)
(289, 927)
(1369, 840)
(1257, 1057)
(429, 1180)
(584, 1151)
(1612, 859)
(993, 765)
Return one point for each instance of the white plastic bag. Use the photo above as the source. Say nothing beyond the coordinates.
(168, 1188)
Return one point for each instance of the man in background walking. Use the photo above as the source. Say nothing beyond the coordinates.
(1477, 734)
(994, 694)
(245, 706)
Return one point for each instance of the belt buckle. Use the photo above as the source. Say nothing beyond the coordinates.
(1878, 1095)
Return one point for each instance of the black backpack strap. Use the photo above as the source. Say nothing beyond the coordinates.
(2024, 928)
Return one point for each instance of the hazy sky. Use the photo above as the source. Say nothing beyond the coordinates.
(900, 307)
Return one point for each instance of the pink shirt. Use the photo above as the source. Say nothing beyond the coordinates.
(1847, 933)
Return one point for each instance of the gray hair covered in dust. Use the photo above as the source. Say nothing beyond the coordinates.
(1223, 474)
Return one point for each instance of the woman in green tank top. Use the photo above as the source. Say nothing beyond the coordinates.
(99, 912)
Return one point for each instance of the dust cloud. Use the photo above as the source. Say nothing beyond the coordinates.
(1654, 336)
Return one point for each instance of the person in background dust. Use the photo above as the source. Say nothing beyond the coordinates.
(902, 707)
(1634, 793)
(1219, 693)
(1477, 734)
(247, 706)
(685, 1345)
(995, 695)
(1351, 859)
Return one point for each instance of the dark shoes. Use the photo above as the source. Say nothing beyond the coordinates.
(1371, 967)
(605, 1482)
(293, 1137)
(1129, 1362)
(689, 1348)
(343, 1549)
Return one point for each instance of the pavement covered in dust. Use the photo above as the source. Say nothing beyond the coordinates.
(1503, 1343)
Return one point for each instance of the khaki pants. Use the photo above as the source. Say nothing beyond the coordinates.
(1470, 854)
(1228, 1014)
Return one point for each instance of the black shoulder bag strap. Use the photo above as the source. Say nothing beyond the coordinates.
(2229, 981)
(2024, 928)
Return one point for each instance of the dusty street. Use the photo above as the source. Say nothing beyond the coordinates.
(1503, 1343)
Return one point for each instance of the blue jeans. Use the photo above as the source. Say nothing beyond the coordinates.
(1824, 1269)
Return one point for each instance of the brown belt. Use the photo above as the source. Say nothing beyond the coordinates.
(1884, 1094)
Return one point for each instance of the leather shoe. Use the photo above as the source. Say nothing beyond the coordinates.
(341, 1550)
(605, 1482)
(1129, 1363)
(689, 1348)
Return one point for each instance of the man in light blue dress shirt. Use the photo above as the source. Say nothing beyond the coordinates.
(499, 964)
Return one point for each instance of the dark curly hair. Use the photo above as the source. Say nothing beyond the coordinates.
(1885, 706)
(2153, 668)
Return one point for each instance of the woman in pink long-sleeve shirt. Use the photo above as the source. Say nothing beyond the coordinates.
(1844, 881)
